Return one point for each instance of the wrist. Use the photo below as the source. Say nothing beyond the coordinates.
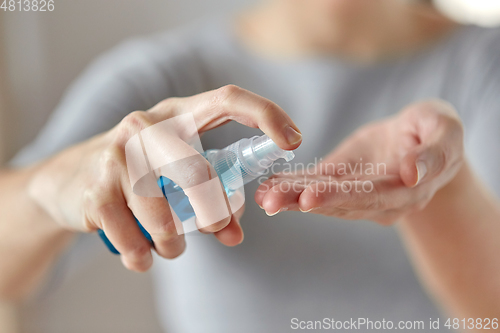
(30, 239)
(461, 191)
(38, 201)
(460, 183)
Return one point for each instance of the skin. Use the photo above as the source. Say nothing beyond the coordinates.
(360, 30)
(447, 217)
(86, 188)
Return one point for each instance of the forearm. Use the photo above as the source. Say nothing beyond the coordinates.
(455, 245)
(29, 239)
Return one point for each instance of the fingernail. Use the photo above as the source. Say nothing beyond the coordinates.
(305, 211)
(292, 136)
(261, 207)
(421, 171)
(272, 214)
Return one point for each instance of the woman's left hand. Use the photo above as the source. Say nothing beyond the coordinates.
(382, 172)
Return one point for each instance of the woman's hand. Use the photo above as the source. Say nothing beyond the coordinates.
(382, 172)
(87, 187)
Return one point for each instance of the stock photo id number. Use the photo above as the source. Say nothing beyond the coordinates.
(28, 6)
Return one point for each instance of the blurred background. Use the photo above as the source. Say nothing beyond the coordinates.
(40, 54)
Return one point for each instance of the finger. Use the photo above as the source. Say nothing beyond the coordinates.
(156, 217)
(231, 235)
(280, 177)
(176, 160)
(145, 198)
(284, 195)
(263, 189)
(110, 212)
(211, 206)
(267, 185)
(119, 225)
(439, 132)
(205, 192)
(422, 164)
(383, 193)
(287, 182)
(214, 108)
(344, 205)
(238, 214)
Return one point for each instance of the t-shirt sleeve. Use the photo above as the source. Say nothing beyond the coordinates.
(133, 76)
(482, 129)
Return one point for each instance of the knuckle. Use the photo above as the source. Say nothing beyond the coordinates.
(111, 161)
(133, 123)
(268, 109)
(196, 172)
(165, 231)
(228, 91)
(165, 104)
(99, 202)
(455, 129)
(433, 109)
(222, 97)
(103, 209)
(94, 196)
(453, 122)
(419, 109)
(138, 252)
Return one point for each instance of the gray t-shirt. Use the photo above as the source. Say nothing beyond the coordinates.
(292, 265)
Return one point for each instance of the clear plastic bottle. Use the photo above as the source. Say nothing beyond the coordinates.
(236, 165)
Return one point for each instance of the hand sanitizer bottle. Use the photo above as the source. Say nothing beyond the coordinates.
(236, 165)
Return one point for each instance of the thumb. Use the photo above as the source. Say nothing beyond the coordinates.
(421, 165)
(214, 108)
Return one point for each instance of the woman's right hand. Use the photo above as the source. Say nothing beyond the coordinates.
(87, 187)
